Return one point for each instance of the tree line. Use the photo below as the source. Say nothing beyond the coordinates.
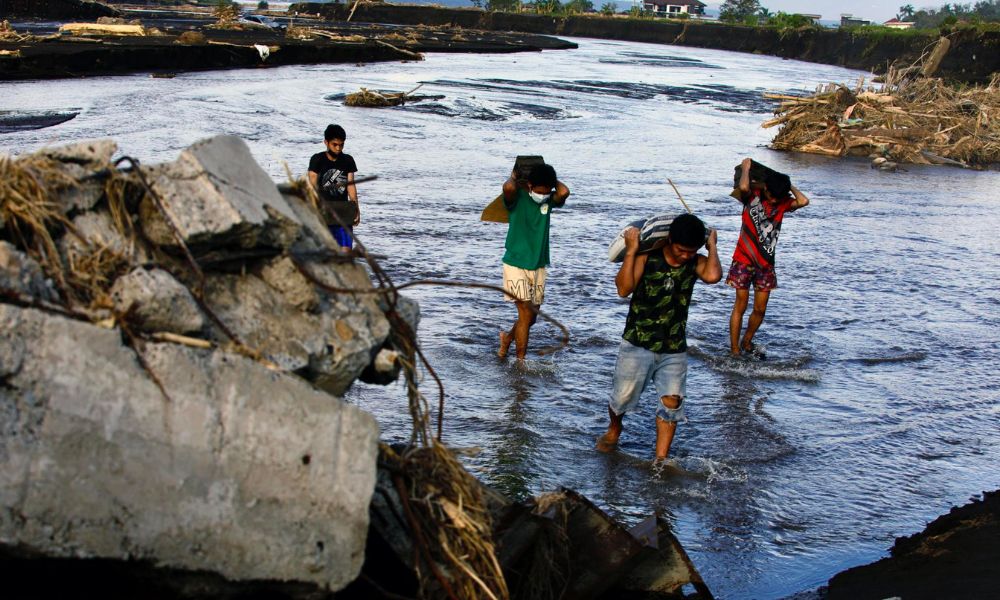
(751, 12)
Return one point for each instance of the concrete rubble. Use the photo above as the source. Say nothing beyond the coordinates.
(188, 417)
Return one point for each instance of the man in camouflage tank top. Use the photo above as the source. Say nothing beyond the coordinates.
(654, 344)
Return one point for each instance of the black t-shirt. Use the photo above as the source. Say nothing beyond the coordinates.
(332, 175)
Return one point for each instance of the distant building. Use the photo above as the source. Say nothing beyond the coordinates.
(897, 24)
(813, 18)
(852, 21)
(672, 8)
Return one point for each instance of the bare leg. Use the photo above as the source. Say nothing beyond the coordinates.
(506, 337)
(760, 299)
(664, 429)
(736, 320)
(608, 441)
(526, 314)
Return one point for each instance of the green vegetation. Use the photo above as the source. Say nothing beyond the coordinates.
(984, 11)
(263, 5)
(741, 11)
(608, 9)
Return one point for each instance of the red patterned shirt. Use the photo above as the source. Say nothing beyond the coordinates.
(759, 234)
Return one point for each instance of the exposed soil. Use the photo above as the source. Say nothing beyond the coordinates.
(956, 557)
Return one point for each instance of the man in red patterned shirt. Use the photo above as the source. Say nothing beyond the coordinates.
(764, 206)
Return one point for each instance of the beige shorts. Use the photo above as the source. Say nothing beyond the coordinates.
(524, 285)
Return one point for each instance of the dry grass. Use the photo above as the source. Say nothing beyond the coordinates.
(33, 222)
(27, 212)
(921, 121)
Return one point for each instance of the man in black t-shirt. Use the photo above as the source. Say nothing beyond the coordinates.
(331, 173)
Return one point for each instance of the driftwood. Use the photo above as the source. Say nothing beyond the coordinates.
(375, 99)
(909, 119)
(102, 29)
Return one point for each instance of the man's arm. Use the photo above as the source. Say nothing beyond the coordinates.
(560, 194)
(352, 195)
(510, 191)
(314, 182)
(632, 266)
(800, 201)
(709, 269)
(745, 176)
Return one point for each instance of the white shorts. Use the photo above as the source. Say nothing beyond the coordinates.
(524, 285)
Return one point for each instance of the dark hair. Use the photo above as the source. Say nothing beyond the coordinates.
(542, 175)
(687, 230)
(334, 132)
(778, 185)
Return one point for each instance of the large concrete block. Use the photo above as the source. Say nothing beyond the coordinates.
(92, 153)
(243, 471)
(331, 345)
(217, 195)
(158, 301)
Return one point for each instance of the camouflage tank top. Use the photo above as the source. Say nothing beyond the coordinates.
(657, 315)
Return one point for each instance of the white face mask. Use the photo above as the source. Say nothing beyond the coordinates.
(539, 198)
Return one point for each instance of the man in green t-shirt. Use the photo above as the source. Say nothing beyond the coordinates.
(529, 202)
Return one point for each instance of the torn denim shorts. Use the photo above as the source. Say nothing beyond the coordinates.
(636, 368)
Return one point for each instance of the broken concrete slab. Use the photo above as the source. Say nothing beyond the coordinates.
(216, 194)
(157, 302)
(91, 153)
(242, 471)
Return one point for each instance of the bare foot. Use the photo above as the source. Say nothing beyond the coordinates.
(504, 344)
(607, 442)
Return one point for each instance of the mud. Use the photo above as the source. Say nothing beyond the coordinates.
(956, 557)
(62, 56)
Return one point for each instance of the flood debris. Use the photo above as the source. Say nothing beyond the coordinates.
(557, 545)
(102, 29)
(910, 118)
(160, 322)
(376, 99)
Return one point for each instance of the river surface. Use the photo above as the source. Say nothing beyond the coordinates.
(877, 408)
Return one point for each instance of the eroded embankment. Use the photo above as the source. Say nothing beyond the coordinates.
(170, 49)
(974, 55)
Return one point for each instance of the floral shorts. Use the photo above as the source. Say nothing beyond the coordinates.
(740, 276)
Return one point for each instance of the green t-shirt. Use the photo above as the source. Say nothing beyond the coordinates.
(528, 233)
(657, 315)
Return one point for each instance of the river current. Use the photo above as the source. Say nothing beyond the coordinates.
(877, 408)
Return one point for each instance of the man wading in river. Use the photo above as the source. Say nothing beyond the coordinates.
(654, 344)
(530, 202)
(331, 173)
(764, 207)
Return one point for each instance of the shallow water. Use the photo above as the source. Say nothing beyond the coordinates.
(877, 407)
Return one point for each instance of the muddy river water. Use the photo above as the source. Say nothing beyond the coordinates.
(877, 408)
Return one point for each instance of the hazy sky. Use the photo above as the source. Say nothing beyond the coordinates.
(879, 11)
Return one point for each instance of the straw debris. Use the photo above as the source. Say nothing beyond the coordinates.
(907, 120)
(375, 99)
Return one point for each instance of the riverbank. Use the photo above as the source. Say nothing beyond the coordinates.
(973, 58)
(167, 46)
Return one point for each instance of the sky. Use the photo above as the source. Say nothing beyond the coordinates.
(879, 11)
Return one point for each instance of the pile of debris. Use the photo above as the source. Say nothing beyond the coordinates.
(375, 99)
(175, 338)
(9, 34)
(917, 120)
